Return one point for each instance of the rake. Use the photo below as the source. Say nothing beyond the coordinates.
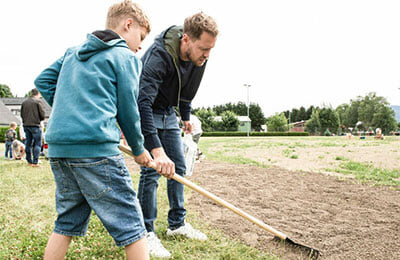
(311, 252)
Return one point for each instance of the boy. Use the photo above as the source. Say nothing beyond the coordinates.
(11, 135)
(92, 88)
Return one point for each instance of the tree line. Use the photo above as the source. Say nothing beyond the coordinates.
(363, 114)
(360, 114)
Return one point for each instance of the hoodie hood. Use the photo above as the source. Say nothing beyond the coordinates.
(99, 41)
(172, 41)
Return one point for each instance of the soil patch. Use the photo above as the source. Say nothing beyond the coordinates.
(342, 218)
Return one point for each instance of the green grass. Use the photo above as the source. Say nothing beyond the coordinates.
(368, 173)
(27, 214)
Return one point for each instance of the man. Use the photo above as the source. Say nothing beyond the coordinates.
(32, 114)
(173, 67)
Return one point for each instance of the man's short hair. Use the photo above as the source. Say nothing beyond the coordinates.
(34, 92)
(13, 124)
(126, 9)
(198, 23)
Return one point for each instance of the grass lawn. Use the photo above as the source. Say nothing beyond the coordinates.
(27, 213)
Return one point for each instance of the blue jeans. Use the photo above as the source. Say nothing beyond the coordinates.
(33, 143)
(102, 184)
(8, 150)
(171, 141)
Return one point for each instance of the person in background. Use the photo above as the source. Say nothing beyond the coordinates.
(173, 67)
(22, 134)
(32, 114)
(196, 133)
(10, 136)
(18, 149)
(92, 88)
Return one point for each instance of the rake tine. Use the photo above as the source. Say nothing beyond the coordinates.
(311, 252)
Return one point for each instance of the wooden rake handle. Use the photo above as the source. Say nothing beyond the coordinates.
(216, 199)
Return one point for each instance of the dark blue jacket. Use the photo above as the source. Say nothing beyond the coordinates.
(160, 88)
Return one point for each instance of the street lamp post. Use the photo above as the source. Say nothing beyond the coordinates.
(248, 108)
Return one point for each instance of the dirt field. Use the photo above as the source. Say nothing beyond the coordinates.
(344, 220)
(302, 198)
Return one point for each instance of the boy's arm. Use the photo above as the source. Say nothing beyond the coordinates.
(128, 113)
(154, 71)
(47, 80)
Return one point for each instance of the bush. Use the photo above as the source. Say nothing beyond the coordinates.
(255, 134)
(327, 132)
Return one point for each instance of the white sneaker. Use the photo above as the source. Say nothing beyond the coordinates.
(188, 231)
(156, 249)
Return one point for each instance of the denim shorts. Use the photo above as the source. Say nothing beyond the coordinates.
(103, 185)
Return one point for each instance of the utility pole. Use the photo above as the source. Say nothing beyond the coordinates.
(248, 109)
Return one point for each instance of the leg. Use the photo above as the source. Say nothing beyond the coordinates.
(172, 142)
(28, 144)
(10, 150)
(147, 195)
(57, 247)
(37, 144)
(137, 250)
(7, 149)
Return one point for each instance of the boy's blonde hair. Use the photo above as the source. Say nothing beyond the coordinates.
(124, 10)
(13, 124)
(198, 23)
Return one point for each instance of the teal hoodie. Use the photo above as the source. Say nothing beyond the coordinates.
(91, 88)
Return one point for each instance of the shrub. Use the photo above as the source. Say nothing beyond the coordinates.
(327, 132)
(255, 134)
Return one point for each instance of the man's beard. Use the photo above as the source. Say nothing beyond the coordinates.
(198, 62)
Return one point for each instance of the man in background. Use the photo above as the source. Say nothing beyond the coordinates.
(32, 114)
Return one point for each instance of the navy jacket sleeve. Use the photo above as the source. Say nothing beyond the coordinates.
(184, 109)
(155, 69)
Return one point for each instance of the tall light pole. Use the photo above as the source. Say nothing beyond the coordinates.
(248, 108)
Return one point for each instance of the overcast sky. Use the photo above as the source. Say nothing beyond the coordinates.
(293, 53)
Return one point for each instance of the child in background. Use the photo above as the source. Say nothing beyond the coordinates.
(11, 135)
(18, 149)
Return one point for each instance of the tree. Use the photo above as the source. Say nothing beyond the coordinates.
(313, 125)
(309, 112)
(384, 118)
(230, 121)
(5, 91)
(328, 119)
(256, 116)
(294, 115)
(206, 117)
(341, 110)
(277, 123)
(302, 114)
(369, 105)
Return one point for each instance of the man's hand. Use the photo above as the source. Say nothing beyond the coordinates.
(144, 159)
(187, 127)
(165, 166)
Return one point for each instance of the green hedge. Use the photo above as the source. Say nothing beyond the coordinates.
(3, 131)
(255, 134)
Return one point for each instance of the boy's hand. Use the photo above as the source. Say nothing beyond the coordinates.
(165, 166)
(144, 159)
